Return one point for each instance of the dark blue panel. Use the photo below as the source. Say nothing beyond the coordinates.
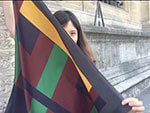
(16, 102)
(81, 87)
(27, 33)
(99, 103)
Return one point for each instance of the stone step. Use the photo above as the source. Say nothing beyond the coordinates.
(126, 76)
(126, 67)
(129, 78)
(125, 85)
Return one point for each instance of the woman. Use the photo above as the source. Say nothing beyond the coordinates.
(72, 26)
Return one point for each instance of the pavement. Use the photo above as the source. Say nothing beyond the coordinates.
(145, 97)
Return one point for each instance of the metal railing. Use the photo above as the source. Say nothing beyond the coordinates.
(99, 15)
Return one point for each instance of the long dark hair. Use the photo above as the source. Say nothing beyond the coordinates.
(64, 16)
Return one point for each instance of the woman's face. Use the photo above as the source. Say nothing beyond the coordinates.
(72, 31)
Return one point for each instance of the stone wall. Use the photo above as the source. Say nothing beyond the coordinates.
(113, 47)
(6, 62)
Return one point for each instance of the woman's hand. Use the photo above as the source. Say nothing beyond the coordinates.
(137, 106)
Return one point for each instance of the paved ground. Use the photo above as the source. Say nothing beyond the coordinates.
(145, 97)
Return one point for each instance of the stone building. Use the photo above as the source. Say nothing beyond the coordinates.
(122, 47)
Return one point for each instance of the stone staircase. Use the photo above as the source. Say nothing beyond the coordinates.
(129, 78)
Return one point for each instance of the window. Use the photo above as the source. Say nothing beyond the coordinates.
(116, 3)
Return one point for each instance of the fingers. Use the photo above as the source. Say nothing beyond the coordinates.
(126, 101)
(136, 104)
(138, 109)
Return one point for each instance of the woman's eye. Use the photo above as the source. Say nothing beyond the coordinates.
(73, 34)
